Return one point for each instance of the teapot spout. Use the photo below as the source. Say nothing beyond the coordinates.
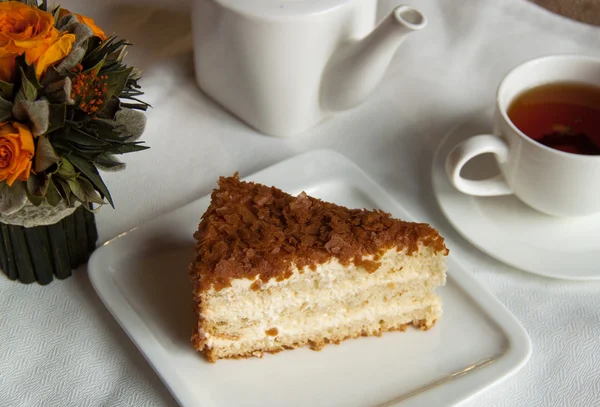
(354, 71)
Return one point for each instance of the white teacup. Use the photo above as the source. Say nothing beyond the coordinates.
(550, 181)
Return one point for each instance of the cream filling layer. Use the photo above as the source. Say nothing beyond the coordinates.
(330, 282)
(306, 327)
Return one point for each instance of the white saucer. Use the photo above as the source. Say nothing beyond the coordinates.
(509, 230)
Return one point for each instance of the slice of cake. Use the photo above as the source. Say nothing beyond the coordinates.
(273, 271)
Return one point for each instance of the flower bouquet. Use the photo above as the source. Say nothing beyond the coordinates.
(68, 108)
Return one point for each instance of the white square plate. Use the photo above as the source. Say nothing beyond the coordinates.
(142, 278)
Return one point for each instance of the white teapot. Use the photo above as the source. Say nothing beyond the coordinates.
(282, 66)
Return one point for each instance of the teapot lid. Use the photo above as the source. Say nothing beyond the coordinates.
(282, 8)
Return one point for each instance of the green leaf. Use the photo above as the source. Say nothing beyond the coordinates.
(96, 68)
(27, 91)
(5, 109)
(64, 190)
(116, 56)
(37, 186)
(65, 148)
(117, 80)
(52, 195)
(76, 189)
(98, 50)
(89, 153)
(100, 124)
(137, 106)
(110, 108)
(35, 200)
(127, 148)
(84, 139)
(51, 76)
(108, 131)
(92, 51)
(56, 14)
(45, 156)
(56, 116)
(92, 175)
(6, 90)
(91, 194)
(43, 6)
(66, 169)
(32, 76)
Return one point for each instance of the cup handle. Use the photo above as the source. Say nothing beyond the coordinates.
(470, 148)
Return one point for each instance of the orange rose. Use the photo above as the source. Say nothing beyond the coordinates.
(7, 67)
(16, 152)
(30, 31)
(98, 32)
(55, 53)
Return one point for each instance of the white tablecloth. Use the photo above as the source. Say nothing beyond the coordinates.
(59, 346)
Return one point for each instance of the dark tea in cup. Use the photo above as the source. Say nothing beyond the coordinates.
(564, 116)
(545, 138)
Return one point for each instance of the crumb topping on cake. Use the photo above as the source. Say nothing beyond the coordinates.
(253, 230)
